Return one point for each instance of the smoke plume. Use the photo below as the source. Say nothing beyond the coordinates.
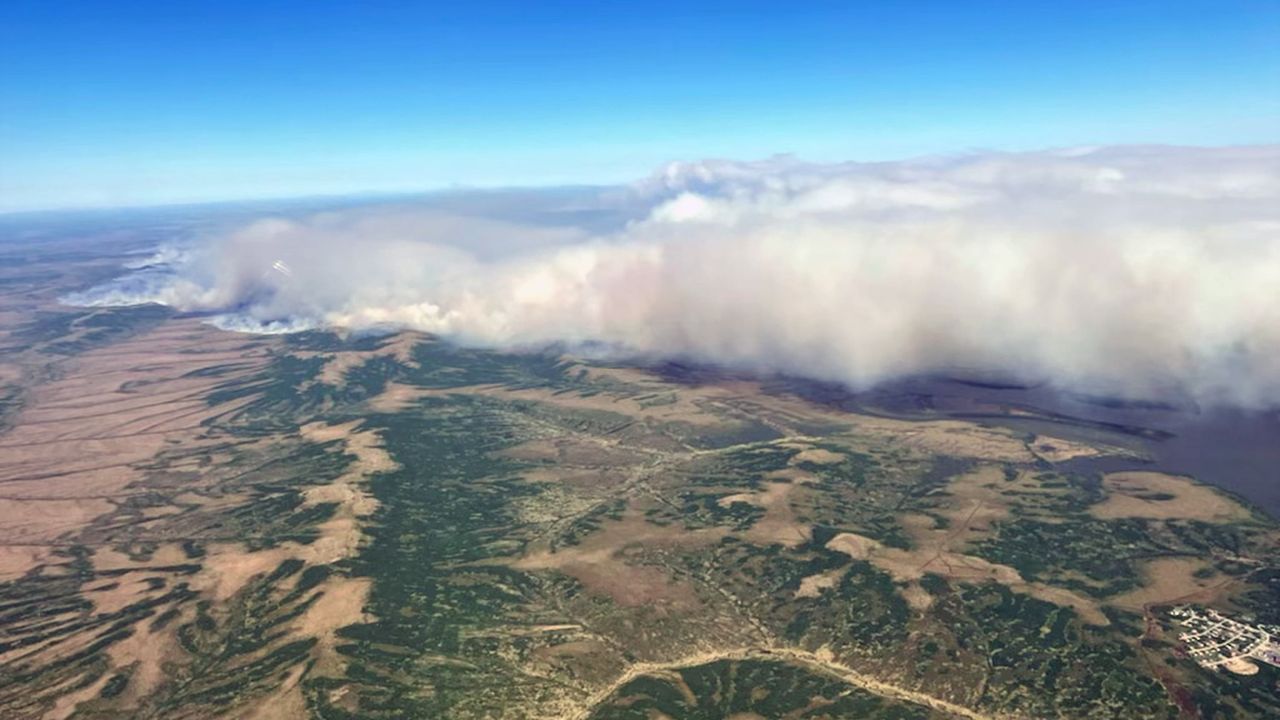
(1140, 271)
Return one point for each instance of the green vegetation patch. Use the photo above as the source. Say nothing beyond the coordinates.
(750, 688)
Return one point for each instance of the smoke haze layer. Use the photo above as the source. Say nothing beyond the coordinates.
(1138, 271)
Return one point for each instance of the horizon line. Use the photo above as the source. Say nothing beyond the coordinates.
(375, 195)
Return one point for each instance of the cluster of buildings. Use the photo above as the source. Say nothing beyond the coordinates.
(1219, 642)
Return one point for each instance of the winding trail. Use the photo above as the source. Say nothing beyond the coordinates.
(795, 656)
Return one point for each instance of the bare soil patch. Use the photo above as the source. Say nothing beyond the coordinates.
(818, 456)
(600, 564)
(917, 597)
(341, 535)
(946, 437)
(1166, 580)
(16, 560)
(813, 585)
(1160, 496)
(1056, 450)
(341, 604)
(147, 652)
(339, 363)
(77, 445)
(976, 503)
(395, 398)
(1241, 666)
(228, 567)
(286, 703)
(39, 521)
(109, 597)
(779, 523)
(66, 703)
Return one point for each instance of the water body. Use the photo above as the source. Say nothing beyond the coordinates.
(1236, 450)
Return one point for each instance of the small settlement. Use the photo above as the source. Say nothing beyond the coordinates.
(1219, 642)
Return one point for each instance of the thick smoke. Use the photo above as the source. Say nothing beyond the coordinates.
(1141, 271)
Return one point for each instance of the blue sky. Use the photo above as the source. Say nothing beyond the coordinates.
(126, 103)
